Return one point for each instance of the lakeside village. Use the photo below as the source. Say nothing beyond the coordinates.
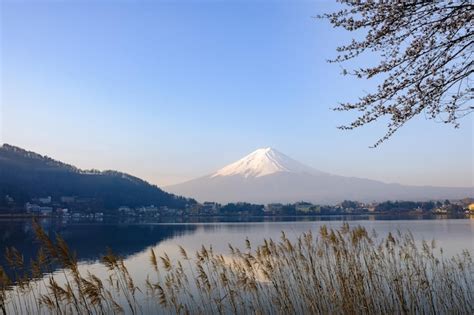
(75, 207)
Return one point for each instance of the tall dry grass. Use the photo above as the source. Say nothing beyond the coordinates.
(343, 271)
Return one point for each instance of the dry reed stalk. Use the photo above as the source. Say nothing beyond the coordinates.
(342, 271)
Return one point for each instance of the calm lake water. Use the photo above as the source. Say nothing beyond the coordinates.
(133, 240)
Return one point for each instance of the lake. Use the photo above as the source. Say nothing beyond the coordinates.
(133, 240)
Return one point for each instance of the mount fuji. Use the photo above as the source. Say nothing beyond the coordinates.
(267, 175)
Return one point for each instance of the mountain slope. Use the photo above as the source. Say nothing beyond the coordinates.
(25, 175)
(267, 176)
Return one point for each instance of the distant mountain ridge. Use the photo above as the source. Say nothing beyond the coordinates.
(267, 175)
(25, 175)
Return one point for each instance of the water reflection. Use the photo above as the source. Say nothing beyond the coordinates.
(131, 239)
(89, 240)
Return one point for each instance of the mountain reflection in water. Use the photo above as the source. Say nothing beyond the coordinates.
(89, 240)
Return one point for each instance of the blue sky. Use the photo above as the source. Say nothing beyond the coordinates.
(171, 90)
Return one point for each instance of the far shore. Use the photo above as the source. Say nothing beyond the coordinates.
(241, 218)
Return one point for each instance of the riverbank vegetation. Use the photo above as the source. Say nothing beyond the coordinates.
(337, 271)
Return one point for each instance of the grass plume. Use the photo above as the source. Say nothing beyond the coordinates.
(338, 271)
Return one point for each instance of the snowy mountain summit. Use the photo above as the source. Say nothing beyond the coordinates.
(262, 162)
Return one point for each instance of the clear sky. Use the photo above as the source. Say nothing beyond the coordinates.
(171, 90)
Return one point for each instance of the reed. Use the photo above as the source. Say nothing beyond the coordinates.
(338, 271)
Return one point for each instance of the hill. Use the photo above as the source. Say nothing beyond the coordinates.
(25, 175)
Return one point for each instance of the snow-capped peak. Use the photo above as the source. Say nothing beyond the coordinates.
(264, 162)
